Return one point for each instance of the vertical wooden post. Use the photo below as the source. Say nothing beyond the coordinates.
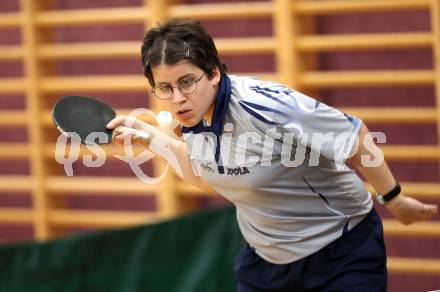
(35, 131)
(167, 202)
(309, 61)
(158, 11)
(285, 33)
(435, 28)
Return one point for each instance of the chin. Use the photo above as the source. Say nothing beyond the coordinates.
(189, 123)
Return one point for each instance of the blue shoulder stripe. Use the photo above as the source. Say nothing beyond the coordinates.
(263, 108)
(256, 115)
(352, 120)
(265, 89)
(257, 90)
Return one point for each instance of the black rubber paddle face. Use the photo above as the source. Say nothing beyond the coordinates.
(83, 115)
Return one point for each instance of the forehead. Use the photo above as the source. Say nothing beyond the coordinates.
(166, 73)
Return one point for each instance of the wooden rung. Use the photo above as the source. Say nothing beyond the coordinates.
(342, 6)
(246, 45)
(15, 183)
(13, 118)
(188, 190)
(95, 83)
(333, 79)
(394, 115)
(111, 151)
(259, 75)
(15, 215)
(363, 41)
(137, 83)
(10, 19)
(12, 85)
(411, 152)
(223, 10)
(101, 185)
(131, 49)
(420, 229)
(82, 218)
(144, 117)
(89, 50)
(14, 150)
(416, 190)
(93, 16)
(422, 190)
(11, 53)
(413, 266)
(48, 121)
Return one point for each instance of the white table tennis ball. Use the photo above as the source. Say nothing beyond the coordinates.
(164, 119)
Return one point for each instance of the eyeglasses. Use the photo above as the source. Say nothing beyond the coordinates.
(186, 86)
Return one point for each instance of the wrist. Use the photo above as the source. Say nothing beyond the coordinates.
(389, 196)
(395, 203)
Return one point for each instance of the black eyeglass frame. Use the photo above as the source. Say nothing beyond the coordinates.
(196, 81)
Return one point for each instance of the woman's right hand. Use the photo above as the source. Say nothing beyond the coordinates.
(127, 127)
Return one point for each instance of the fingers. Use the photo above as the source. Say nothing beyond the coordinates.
(122, 133)
(428, 210)
(119, 120)
(408, 210)
(423, 212)
(434, 209)
(125, 120)
(118, 132)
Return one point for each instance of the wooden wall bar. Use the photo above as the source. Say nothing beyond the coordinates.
(289, 43)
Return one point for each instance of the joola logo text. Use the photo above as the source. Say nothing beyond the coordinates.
(237, 171)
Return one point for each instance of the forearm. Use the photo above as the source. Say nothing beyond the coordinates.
(188, 175)
(179, 150)
(379, 176)
(165, 146)
(407, 210)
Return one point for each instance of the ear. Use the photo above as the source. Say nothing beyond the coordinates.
(216, 76)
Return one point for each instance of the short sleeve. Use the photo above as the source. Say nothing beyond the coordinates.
(314, 124)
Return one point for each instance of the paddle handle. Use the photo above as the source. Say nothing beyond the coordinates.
(142, 136)
(136, 134)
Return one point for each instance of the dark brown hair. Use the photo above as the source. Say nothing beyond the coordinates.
(179, 39)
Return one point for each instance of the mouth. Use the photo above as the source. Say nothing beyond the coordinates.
(182, 113)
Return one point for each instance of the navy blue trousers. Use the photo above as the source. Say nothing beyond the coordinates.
(354, 262)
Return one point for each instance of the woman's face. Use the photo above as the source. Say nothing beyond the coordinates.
(187, 108)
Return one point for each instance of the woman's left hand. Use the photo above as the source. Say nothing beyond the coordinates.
(408, 210)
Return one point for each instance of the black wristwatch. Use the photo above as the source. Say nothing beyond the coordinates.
(383, 199)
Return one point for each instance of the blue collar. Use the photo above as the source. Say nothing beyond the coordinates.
(220, 108)
(218, 118)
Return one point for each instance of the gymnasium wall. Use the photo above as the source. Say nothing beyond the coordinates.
(402, 103)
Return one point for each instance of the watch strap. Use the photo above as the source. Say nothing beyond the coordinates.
(390, 195)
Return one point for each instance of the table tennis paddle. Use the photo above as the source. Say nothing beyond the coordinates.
(80, 116)
(76, 115)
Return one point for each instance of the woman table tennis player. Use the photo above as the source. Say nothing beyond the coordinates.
(309, 226)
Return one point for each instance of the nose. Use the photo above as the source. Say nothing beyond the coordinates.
(178, 97)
